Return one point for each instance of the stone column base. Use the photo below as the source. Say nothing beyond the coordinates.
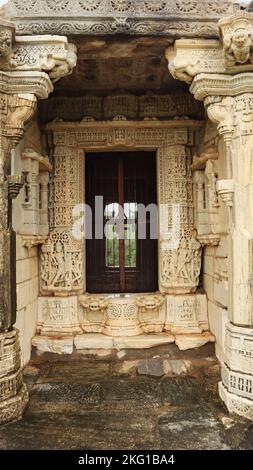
(235, 404)
(13, 408)
(13, 393)
(236, 388)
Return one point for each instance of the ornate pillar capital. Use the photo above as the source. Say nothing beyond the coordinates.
(31, 64)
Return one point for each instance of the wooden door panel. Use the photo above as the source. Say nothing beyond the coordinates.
(129, 178)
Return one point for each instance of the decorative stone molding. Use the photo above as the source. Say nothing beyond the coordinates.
(237, 36)
(186, 314)
(150, 133)
(13, 394)
(236, 389)
(58, 316)
(135, 314)
(102, 17)
(61, 264)
(30, 241)
(239, 348)
(238, 405)
(217, 85)
(238, 383)
(35, 83)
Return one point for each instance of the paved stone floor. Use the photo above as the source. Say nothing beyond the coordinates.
(130, 401)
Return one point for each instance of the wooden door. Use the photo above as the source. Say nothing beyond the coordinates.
(121, 261)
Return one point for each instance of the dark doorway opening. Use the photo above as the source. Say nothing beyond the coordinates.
(121, 261)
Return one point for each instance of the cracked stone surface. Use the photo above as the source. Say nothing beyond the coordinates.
(131, 403)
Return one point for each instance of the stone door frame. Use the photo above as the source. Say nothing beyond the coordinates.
(75, 139)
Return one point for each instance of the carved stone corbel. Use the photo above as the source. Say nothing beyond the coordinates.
(221, 112)
(21, 109)
(182, 67)
(225, 189)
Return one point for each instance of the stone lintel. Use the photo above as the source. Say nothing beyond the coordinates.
(105, 17)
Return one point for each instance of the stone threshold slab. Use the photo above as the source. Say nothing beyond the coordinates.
(96, 341)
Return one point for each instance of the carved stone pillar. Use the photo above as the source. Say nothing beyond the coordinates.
(180, 252)
(13, 394)
(22, 81)
(227, 92)
(62, 255)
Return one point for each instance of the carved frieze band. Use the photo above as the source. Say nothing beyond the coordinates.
(128, 316)
(118, 16)
(154, 134)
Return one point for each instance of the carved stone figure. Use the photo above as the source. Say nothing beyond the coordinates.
(237, 48)
(61, 264)
(181, 266)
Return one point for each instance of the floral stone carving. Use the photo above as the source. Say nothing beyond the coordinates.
(61, 264)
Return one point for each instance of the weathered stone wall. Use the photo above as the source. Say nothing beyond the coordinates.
(27, 296)
(27, 267)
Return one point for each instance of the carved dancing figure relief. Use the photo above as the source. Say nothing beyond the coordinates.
(61, 263)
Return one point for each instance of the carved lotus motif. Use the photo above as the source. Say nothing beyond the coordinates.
(90, 5)
(217, 7)
(57, 5)
(155, 5)
(25, 6)
(187, 6)
(121, 5)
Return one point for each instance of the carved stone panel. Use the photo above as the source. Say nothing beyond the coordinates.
(61, 264)
(58, 316)
(186, 314)
(180, 252)
(66, 185)
(128, 316)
